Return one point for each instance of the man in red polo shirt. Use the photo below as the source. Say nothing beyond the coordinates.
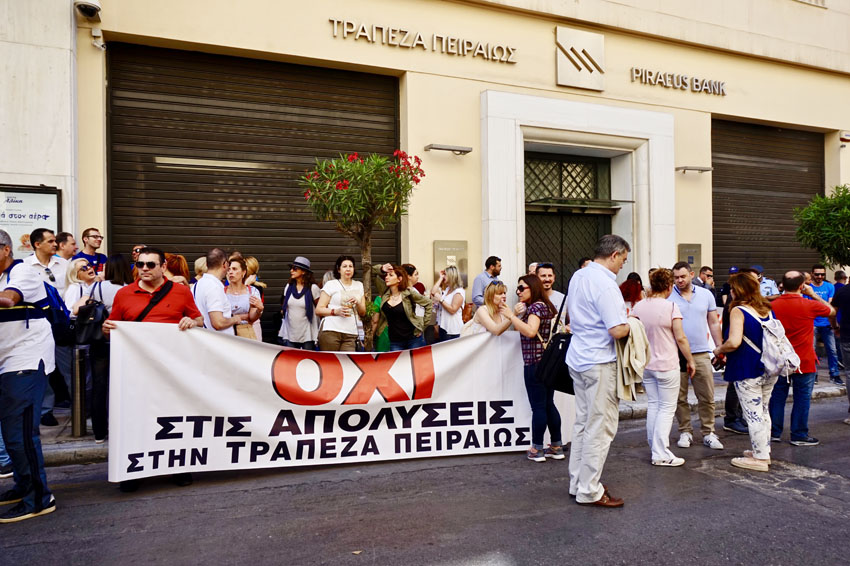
(797, 314)
(176, 306)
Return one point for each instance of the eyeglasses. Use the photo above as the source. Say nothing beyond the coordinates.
(149, 264)
(521, 288)
(98, 237)
(86, 267)
(50, 275)
(137, 250)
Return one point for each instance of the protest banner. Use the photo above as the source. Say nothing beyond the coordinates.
(199, 401)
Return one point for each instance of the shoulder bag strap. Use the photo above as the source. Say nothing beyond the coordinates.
(155, 299)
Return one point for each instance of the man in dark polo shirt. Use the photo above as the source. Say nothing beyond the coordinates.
(177, 306)
(797, 315)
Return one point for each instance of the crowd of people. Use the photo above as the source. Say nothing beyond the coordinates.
(674, 320)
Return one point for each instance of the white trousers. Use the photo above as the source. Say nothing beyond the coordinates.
(662, 391)
(597, 415)
(754, 396)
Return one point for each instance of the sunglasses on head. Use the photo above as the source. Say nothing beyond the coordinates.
(495, 282)
(137, 250)
(149, 264)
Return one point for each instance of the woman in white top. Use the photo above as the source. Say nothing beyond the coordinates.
(448, 296)
(495, 317)
(341, 300)
(299, 327)
(80, 279)
(245, 301)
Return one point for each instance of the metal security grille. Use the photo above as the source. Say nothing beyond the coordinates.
(761, 174)
(573, 180)
(560, 193)
(562, 239)
(206, 150)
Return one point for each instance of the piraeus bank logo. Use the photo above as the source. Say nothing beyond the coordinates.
(580, 58)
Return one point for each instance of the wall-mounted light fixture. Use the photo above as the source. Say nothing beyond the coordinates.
(456, 149)
(686, 168)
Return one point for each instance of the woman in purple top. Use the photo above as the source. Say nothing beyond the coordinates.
(533, 316)
(663, 323)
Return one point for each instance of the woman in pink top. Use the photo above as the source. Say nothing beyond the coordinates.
(663, 323)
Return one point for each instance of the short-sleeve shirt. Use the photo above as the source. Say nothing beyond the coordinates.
(210, 297)
(595, 304)
(24, 344)
(532, 348)
(657, 316)
(826, 291)
(556, 298)
(797, 315)
(131, 300)
(768, 287)
(337, 291)
(58, 268)
(98, 260)
(695, 316)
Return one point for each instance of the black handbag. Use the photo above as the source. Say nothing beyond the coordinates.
(88, 326)
(552, 370)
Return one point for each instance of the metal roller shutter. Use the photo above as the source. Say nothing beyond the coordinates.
(760, 175)
(206, 150)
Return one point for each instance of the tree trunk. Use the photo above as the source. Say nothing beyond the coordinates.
(366, 261)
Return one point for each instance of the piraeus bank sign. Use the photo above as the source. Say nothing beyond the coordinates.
(581, 64)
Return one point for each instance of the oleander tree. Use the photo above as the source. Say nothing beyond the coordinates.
(361, 195)
(824, 225)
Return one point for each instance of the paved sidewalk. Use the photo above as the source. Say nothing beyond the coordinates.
(61, 449)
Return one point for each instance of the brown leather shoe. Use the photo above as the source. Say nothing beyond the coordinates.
(606, 500)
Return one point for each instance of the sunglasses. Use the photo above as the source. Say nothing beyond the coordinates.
(86, 267)
(819, 274)
(98, 237)
(137, 250)
(149, 264)
(521, 288)
(495, 282)
(50, 275)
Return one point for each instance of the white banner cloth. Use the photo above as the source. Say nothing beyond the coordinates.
(198, 401)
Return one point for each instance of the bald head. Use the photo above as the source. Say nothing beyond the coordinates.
(792, 281)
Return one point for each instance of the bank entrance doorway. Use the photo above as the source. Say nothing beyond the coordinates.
(568, 207)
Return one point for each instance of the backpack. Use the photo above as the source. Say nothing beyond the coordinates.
(58, 316)
(777, 353)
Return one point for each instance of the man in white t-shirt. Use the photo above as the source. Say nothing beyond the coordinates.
(26, 357)
(51, 269)
(210, 297)
(545, 271)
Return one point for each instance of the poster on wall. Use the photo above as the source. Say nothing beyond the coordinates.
(23, 209)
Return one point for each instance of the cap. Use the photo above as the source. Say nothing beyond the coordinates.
(758, 268)
(301, 263)
(732, 270)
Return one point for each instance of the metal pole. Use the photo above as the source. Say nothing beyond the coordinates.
(78, 395)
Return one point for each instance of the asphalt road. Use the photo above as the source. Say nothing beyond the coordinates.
(467, 510)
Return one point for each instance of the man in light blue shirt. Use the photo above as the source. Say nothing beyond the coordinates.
(492, 269)
(699, 318)
(597, 318)
(823, 325)
(767, 286)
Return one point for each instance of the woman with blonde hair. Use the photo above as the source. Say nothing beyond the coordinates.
(495, 317)
(253, 280)
(448, 297)
(79, 280)
(663, 323)
(748, 310)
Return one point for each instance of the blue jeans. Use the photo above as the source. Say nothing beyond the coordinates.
(21, 394)
(309, 346)
(4, 456)
(543, 410)
(417, 342)
(443, 336)
(828, 337)
(803, 385)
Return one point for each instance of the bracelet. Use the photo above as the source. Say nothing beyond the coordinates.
(333, 313)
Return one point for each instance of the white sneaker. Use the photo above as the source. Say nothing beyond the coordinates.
(712, 442)
(673, 462)
(685, 440)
